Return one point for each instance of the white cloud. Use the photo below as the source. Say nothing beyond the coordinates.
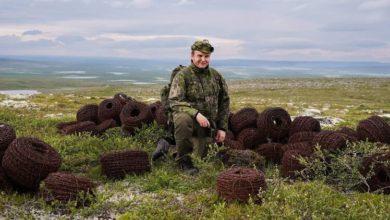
(374, 4)
(280, 29)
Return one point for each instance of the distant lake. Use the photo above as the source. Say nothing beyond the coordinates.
(23, 72)
(19, 92)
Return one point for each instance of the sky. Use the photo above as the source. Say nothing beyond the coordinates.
(297, 30)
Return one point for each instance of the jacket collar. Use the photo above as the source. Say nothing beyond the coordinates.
(198, 70)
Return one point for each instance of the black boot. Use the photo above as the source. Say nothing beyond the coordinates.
(185, 163)
(161, 149)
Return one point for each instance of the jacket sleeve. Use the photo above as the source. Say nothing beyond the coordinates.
(223, 106)
(177, 96)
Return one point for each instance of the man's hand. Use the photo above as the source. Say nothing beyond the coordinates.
(220, 137)
(202, 120)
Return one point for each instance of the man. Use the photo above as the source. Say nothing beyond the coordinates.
(199, 101)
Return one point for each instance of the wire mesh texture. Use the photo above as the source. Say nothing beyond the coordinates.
(244, 118)
(29, 160)
(79, 127)
(251, 138)
(291, 164)
(302, 136)
(117, 164)
(304, 123)
(109, 109)
(66, 187)
(380, 165)
(275, 122)
(374, 129)
(271, 151)
(134, 114)
(88, 113)
(239, 184)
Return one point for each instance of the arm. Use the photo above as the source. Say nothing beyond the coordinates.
(223, 106)
(177, 96)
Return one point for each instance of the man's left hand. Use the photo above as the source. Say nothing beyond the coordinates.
(220, 137)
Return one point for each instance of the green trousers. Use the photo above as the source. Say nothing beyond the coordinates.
(189, 135)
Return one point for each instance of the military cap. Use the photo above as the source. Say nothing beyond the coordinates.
(202, 46)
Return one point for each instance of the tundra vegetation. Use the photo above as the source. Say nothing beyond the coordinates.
(166, 192)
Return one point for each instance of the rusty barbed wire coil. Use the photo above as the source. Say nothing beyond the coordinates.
(7, 135)
(242, 158)
(251, 138)
(88, 113)
(374, 129)
(330, 140)
(275, 122)
(304, 123)
(291, 166)
(271, 151)
(29, 160)
(66, 187)
(239, 184)
(380, 165)
(117, 164)
(244, 118)
(109, 109)
(302, 136)
(79, 127)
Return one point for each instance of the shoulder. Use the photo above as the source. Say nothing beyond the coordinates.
(215, 73)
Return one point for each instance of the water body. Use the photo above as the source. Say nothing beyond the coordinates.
(19, 92)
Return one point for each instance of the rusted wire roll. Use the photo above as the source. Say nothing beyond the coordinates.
(251, 138)
(233, 144)
(5, 183)
(161, 118)
(275, 122)
(239, 184)
(291, 164)
(380, 179)
(154, 107)
(230, 135)
(302, 136)
(61, 125)
(302, 146)
(244, 118)
(374, 129)
(88, 113)
(109, 109)
(66, 187)
(230, 120)
(119, 163)
(85, 126)
(242, 158)
(349, 132)
(330, 140)
(304, 123)
(29, 160)
(123, 98)
(134, 114)
(271, 151)
(105, 125)
(7, 135)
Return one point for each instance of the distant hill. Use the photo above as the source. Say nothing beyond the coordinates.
(158, 71)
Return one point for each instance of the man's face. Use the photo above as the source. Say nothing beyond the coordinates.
(200, 59)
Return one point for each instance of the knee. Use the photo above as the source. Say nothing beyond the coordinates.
(183, 122)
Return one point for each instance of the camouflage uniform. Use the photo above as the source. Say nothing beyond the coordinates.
(196, 90)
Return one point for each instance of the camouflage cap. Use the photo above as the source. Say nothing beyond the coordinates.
(202, 46)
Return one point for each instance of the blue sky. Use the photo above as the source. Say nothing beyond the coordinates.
(344, 30)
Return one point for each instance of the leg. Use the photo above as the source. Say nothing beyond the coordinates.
(183, 125)
(202, 140)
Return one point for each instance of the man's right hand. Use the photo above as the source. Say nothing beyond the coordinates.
(202, 120)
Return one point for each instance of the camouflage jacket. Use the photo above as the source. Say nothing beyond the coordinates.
(201, 90)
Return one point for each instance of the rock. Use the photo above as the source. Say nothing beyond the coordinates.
(311, 112)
